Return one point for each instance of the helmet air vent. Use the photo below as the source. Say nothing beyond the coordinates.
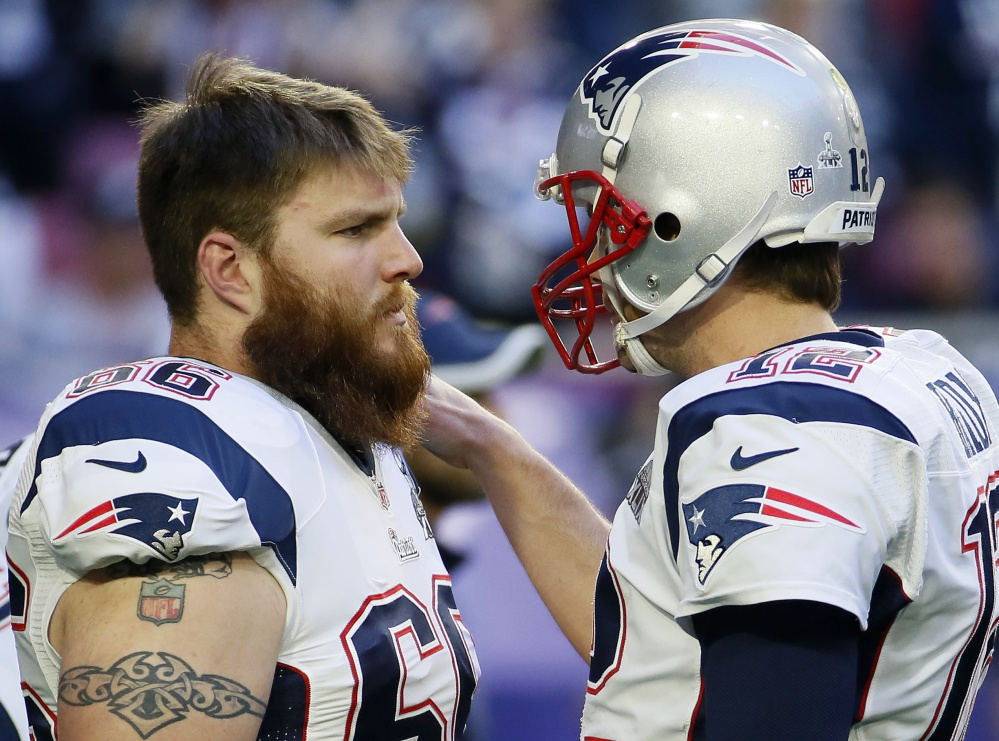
(667, 226)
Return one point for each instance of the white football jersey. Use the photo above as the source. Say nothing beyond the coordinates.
(857, 469)
(12, 715)
(169, 458)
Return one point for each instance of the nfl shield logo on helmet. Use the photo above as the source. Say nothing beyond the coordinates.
(800, 180)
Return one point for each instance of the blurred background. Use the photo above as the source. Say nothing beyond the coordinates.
(486, 82)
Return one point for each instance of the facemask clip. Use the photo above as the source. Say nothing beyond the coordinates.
(547, 169)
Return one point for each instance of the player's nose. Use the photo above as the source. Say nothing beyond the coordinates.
(401, 260)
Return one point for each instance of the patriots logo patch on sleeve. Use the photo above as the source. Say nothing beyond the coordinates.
(608, 84)
(157, 520)
(721, 517)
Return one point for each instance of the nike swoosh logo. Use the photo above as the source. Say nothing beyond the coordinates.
(139, 464)
(741, 463)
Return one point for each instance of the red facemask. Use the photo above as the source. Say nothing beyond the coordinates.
(579, 297)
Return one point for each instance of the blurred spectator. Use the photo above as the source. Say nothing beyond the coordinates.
(494, 133)
(85, 297)
(938, 80)
(100, 300)
(934, 250)
(166, 36)
(39, 94)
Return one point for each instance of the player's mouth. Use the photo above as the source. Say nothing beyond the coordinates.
(393, 310)
(397, 317)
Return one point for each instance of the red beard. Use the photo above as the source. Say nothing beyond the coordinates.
(322, 353)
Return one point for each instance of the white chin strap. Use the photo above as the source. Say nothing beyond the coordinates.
(645, 364)
(627, 334)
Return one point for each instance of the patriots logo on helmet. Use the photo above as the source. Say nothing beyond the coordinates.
(157, 520)
(721, 517)
(605, 87)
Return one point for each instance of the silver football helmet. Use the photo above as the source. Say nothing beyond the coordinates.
(685, 146)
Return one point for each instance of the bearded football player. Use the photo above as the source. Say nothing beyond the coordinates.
(227, 542)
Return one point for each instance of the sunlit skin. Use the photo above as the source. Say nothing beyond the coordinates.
(736, 322)
(339, 231)
(441, 483)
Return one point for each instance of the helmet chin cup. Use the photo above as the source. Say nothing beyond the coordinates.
(642, 361)
(567, 288)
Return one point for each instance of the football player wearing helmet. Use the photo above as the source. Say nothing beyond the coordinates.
(810, 549)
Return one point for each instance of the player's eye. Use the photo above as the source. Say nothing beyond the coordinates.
(354, 231)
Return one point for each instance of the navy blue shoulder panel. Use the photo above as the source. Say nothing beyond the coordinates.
(853, 335)
(123, 415)
(796, 402)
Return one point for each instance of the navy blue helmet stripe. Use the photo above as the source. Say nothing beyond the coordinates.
(797, 402)
(124, 415)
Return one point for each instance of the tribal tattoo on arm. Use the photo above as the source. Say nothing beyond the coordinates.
(153, 689)
(161, 595)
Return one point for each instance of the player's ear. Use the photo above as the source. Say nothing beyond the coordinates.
(231, 271)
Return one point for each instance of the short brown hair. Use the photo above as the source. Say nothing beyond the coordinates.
(234, 151)
(806, 273)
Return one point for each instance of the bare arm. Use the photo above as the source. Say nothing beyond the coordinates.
(168, 651)
(556, 532)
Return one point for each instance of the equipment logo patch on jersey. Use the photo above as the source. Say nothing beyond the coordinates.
(638, 494)
(404, 547)
(157, 520)
(721, 517)
(414, 493)
(136, 466)
(606, 86)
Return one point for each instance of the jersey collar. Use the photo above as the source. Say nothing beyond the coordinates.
(852, 335)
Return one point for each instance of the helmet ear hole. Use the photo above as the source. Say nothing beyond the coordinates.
(667, 226)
